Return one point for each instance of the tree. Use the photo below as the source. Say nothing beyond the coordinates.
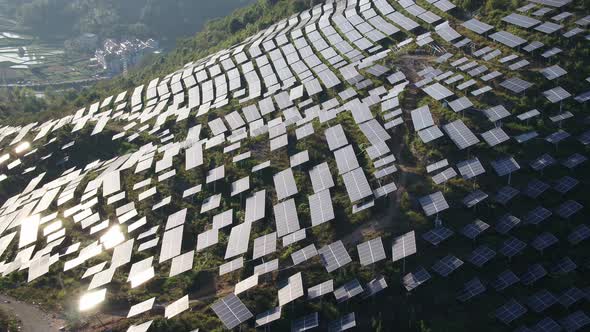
(235, 25)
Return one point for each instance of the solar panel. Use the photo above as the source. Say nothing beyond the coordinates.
(304, 254)
(437, 91)
(143, 327)
(255, 207)
(544, 241)
(568, 209)
(481, 255)
(267, 267)
(286, 217)
(537, 215)
(182, 263)
(343, 323)
(460, 134)
(422, 118)
(474, 229)
(551, 52)
(430, 134)
(238, 240)
(404, 246)
(460, 104)
(414, 279)
(279, 142)
(176, 219)
(553, 72)
(223, 219)
(356, 185)
(260, 166)
(534, 273)
(437, 235)
(336, 137)
(516, 85)
(575, 321)
(231, 311)
(334, 256)
(496, 113)
(299, 158)
(535, 188)
(305, 323)
(528, 115)
(207, 239)
(215, 174)
(506, 194)
(542, 162)
(571, 296)
(471, 289)
(240, 186)
(176, 307)
(268, 316)
(264, 245)
(574, 160)
(541, 300)
(556, 94)
(292, 290)
(321, 178)
(371, 251)
(444, 176)
(210, 203)
(346, 159)
(505, 166)
(231, 266)
(285, 185)
(171, 244)
(548, 27)
(547, 324)
(579, 234)
(506, 223)
(563, 266)
(470, 168)
(437, 165)
(318, 290)
(510, 311)
(375, 286)
(446, 265)
(488, 57)
(477, 26)
(505, 279)
(348, 291)
(512, 247)
(374, 132)
(433, 203)
(521, 20)
(507, 39)
(565, 184)
(474, 198)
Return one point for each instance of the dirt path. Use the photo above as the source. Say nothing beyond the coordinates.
(32, 318)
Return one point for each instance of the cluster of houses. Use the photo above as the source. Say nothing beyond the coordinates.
(114, 56)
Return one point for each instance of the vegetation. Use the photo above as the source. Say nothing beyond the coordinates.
(8, 322)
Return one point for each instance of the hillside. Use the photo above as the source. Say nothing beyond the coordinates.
(377, 165)
(218, 33)
(163, 20)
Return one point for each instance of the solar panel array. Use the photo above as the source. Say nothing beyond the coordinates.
(315, 100)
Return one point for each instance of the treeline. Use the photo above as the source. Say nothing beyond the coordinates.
(162, 19)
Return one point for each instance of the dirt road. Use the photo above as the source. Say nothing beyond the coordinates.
(32, 318)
